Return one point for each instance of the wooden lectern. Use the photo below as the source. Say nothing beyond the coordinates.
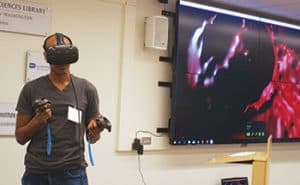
(259, 160)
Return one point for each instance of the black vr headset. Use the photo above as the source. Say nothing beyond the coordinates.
(62, 53)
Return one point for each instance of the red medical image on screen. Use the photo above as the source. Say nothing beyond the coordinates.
(282, 118)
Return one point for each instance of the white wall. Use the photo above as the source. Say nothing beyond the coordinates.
(109, 34)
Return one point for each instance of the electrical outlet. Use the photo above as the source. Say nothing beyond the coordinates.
(146, 140)
(136, 145)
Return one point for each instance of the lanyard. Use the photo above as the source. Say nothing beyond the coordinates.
(49, 146)
(90, 153)
(49, 141)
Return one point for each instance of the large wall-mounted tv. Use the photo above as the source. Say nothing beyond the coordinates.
(236, 78)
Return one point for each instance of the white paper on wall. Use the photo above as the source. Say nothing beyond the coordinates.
(36, 65)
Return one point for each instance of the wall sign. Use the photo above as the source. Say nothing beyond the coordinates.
(7, 119)
(24, 17)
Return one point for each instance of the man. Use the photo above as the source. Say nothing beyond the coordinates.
(54, 111)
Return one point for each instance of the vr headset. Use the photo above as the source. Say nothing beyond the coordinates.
(61, 53)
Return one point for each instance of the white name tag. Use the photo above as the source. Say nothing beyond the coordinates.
(74, 114)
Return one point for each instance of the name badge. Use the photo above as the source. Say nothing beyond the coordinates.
(74, 115)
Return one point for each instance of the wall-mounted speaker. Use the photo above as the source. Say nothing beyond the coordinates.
(156, 32)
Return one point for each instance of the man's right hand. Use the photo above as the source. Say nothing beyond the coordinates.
(27, 125)
(43, 114)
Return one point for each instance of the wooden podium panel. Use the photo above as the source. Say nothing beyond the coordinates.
(258, 160)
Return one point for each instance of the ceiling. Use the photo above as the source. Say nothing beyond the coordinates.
(286, 10)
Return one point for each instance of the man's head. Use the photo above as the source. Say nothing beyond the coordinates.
(59, 50)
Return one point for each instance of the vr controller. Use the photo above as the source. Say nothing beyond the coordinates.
(39, 103)
(102, 121)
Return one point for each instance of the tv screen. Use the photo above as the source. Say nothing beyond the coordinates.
(236, 78)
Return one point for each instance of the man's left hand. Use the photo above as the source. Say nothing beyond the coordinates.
(93, 131)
